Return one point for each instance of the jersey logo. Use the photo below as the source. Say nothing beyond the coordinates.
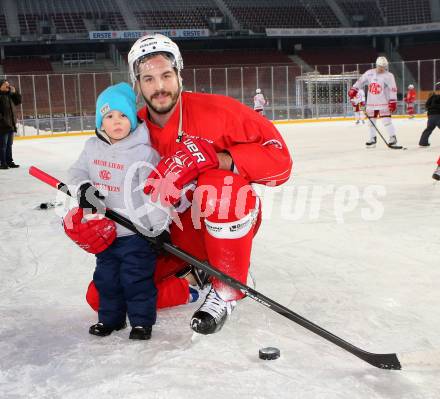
(375, 88)
(105, 174)
(178, 161)
(194, 150)
(275, 143)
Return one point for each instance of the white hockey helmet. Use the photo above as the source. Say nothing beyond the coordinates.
(151, 44)
(411, 87)
(382, 62)
(258, 91)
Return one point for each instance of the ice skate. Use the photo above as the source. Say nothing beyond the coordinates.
(371, 143)
(436, 175)
(393, 140)
(392, 143)
(211, 316)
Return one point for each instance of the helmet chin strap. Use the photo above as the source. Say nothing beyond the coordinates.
(180, 132)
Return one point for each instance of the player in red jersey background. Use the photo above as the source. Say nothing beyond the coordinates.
(410, 99)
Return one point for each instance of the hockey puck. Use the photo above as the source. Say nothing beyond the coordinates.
(269, 353)
(43, 205)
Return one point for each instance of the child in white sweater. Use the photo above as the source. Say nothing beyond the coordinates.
(108, 173)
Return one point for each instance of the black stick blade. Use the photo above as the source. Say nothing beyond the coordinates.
(387, 361)
(395, 147)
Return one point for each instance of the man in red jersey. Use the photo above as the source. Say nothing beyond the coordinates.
(212, 148)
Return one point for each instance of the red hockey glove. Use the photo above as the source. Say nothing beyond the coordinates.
(352, 92)
(93, 235)
(392, 105)
(193, 156)
(362, 104)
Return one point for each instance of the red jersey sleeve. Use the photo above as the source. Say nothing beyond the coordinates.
(257, 148)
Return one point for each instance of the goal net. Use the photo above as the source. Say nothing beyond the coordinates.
(324, 95)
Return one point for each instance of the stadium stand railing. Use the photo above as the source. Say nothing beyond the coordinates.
(418, 60)
(65, 102)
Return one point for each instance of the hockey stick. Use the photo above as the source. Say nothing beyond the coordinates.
(394, 147)
(387, 361)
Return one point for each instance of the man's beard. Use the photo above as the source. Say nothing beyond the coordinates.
(161, 111)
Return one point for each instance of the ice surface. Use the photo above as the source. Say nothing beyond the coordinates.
(351, 242)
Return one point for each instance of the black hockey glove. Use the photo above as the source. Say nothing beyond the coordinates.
(89, 197)
(161, 239)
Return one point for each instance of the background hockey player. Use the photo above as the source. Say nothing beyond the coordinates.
(381, 98)
(433, 109)
(9, 97)
(410, 99)
(216, 144)
(259, 101)
(358, 103)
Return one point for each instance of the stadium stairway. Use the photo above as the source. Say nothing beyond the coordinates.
(226, 11)
(128, 15)
(10, 10)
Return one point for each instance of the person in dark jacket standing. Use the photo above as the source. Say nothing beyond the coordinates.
(433, 108)
(9, 97)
